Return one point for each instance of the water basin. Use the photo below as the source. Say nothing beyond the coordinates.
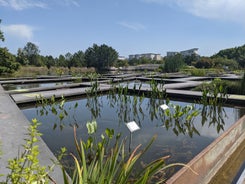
(114, 111)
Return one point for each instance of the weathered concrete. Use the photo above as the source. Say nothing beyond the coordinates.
(210, 160)
(66, 92)
(13, 129)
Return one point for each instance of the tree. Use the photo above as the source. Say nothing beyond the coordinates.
(31, 52)
(100, 57)
(236, 53)
(48, 61)
(61, 60)
(1, 33)
(204, 62)
(230, 64)
(121, 63)
(68, 60)
(191, 59)
(78, 59)
(21, 58)
(174, 63)
(7, 62)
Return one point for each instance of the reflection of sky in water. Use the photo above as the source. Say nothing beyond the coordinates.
(31, 85)
(113, 114)
(138, 84)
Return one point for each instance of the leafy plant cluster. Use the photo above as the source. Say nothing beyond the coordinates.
(214, 96)
(26, 169)
(57, 108)
(96, 164)
(181, 119)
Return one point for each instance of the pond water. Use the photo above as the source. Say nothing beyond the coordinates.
(9, 87)
(113, 111)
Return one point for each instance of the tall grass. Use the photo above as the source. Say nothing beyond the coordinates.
(33, 71)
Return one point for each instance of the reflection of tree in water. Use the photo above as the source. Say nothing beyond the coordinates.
(178, 118)
(214, 115)
(94, 105)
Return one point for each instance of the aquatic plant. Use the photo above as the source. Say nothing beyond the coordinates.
(157, 89)
(114, 166)
(180, 118)
(56, 106)
(93, 90)
(213, 98)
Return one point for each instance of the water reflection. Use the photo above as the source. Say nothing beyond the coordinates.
(9, 87)
(179, 135)
(179, 117)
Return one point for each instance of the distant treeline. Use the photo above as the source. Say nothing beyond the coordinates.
(102, 57)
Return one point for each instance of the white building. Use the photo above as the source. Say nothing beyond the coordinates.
(184, 52)
(151, 56)
(121, 58)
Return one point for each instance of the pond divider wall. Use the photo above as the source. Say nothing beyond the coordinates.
(13, 130)
(212, 158)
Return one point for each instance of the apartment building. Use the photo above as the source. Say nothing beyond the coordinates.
(184, 53)
(151, 56)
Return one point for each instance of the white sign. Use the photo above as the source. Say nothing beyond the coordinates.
(164, 107)
(132, 126)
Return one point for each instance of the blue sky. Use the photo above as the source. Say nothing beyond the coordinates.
(129, 26)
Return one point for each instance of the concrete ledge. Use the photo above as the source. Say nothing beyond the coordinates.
(13, 130)
(210, 160)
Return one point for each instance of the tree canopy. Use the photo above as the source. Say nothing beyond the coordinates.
(236, 53)
(7, 60)
(1, 33)
(173, 63)
(100, 57)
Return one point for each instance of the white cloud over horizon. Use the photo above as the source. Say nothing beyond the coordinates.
(20, 31)
(132, 25)
(225, 10)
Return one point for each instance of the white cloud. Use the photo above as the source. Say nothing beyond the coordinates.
(232, 10)
(20, 31)
(22, 4)
(132, 25)
(71, 2)
(25, 4)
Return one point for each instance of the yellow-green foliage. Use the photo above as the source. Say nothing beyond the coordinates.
(30, 71)
(25, 169)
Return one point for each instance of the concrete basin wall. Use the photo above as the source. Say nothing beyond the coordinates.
(212, 158)
(13, 130)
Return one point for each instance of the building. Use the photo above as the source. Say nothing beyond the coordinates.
(184, 53)
(172, 54)
(150, 56)
(121, 58)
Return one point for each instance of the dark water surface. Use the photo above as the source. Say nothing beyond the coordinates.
(113, 112)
